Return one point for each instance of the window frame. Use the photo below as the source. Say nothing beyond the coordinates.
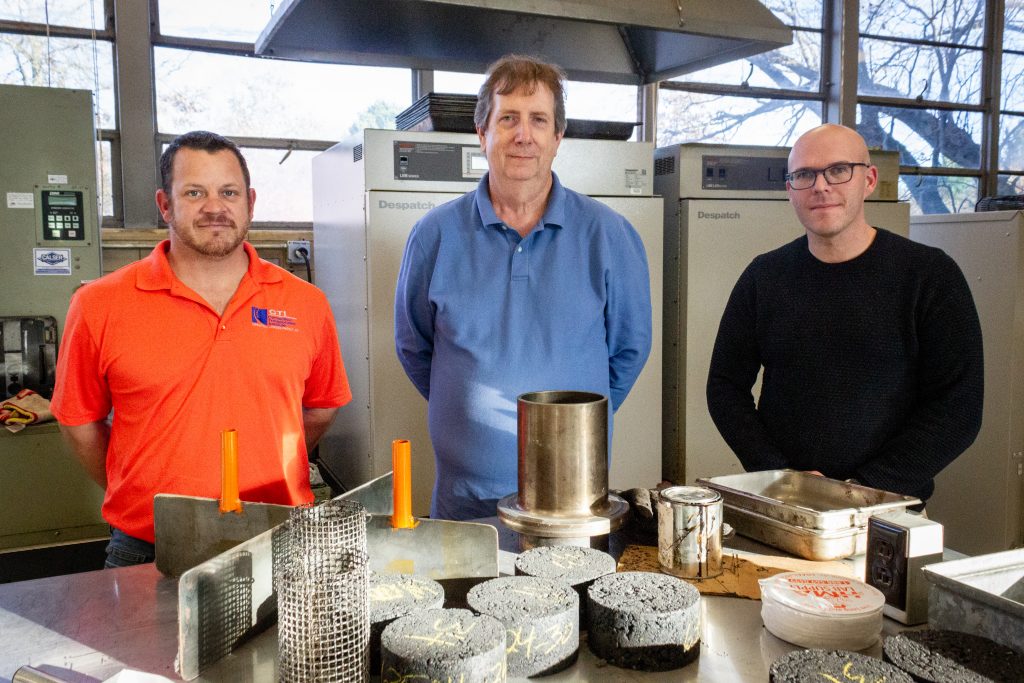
(837, 92)
(111, 135)
(988, 107)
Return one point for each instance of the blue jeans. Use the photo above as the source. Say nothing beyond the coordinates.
(125, 551)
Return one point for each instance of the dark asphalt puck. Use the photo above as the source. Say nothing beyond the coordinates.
(395, 595)
(443, 645)
(575, 566)
(817, 666)
(644, 621)
(935, 656)
(541, 619)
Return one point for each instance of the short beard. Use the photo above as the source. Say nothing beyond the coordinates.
(218, 248)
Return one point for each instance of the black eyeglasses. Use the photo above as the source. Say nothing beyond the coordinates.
(836, 174)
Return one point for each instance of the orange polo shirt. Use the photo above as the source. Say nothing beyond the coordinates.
(176, 374)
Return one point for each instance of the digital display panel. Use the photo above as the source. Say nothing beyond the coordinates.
(63, 199)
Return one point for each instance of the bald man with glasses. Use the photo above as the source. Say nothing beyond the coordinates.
(869, 343)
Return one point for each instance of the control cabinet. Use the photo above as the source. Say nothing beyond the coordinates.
(49, 220)
(49, 232)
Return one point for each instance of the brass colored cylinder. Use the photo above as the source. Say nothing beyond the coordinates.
(563, 453)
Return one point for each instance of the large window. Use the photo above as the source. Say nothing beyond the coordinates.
(925, 87)
(279, 103)
(284, 112)
(247, 97)
(767, 99)
(920, 93)
(1011, 120)
(76, 13)
(239, 21)
(65, 44)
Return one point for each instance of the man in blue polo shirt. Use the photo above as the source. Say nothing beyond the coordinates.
(520, 285)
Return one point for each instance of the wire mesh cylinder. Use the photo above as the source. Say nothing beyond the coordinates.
(323, 625)
(323, 531)
(321, 576)
(333, 526)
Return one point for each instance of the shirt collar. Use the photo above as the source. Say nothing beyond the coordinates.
(554, 213)
(156, 271)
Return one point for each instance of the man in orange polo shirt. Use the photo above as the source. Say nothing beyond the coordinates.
(200, 336)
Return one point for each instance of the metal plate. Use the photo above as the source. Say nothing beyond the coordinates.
(434, 548)
(806, 500)
(229, 597)
(190, 530)
(226, 599)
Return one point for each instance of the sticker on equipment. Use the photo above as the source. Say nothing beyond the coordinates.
(51, 261)
(20, 200)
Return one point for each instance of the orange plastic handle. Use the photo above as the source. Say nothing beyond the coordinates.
(229, 501)
(401, 483)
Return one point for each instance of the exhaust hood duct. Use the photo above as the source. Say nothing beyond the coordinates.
(615, 41)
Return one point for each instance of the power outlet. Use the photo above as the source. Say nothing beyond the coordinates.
(295, 256)
(886, 562)
(899, 544)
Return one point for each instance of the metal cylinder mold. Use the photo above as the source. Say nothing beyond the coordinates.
(563, 451)
(690, 532)
(563, 470)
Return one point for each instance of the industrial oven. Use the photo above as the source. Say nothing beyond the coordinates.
(724, 205)
(367, 195)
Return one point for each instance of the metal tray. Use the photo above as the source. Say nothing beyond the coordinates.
(812, 544)
(983, 595)
(806, 500)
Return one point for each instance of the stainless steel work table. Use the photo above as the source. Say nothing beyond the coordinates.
(87, 627)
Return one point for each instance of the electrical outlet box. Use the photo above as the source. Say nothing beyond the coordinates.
(295, 256)
(899, 544)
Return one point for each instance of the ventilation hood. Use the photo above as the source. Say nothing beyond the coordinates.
(615, 41)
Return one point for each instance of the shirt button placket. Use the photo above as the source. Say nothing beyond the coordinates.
(520, 270)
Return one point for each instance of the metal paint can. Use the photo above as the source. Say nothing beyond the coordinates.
(690, 532)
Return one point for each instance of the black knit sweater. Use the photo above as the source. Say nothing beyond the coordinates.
(872, 367)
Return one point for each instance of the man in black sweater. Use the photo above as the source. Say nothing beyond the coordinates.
(870, 343)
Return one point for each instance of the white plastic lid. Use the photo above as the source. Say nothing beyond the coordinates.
(822, 594)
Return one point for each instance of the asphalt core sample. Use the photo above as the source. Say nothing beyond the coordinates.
(443, 645)
(941, 656)
(815, 666)
(573, 565)
(396, 595)
(541, 619)
(644, 621)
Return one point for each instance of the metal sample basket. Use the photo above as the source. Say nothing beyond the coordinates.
(323, 629)
(808, 515)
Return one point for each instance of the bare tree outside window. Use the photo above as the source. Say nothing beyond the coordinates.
(769, 115)
(1011, 122)
(919, 86)
(63, 62)
(924, 52)
(76, 13)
